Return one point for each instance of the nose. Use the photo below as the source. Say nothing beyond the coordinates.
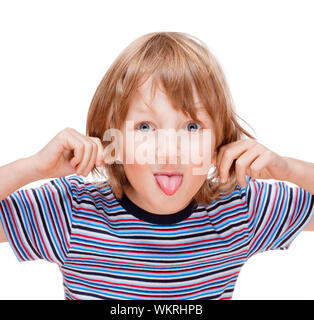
(167, 150)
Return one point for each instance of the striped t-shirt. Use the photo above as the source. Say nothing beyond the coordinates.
(112, 249)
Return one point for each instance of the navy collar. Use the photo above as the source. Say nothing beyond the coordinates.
(161, 219)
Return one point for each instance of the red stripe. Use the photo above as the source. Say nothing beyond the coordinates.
(126, 251)
(278, 215)
(150, 296)
(8, 228)
(59, 215)
(226, 209)
(18, 234)
(295, 206)
(158, 244)
(159, 287)
(53, 225)
(38, 228)
(151, 271)
(258, 209)
(150, 265)
(28, 218)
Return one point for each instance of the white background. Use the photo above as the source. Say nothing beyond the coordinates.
(54, 54)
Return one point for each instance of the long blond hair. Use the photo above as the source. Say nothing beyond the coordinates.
(180, 62)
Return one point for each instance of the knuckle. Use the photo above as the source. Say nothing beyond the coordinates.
(63, 133)
(251, 141)
(239, 163)
(254, 166)
(100, 144)
(260, 146)
(227, 152)
(66, 133)
(268, 153)
(95, 139)
(257, 147)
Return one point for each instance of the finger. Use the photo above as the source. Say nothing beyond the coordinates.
(87, 145)
(100, 151)
(91, 163)
(222, 149)
(88, 152)
(219, 156)
(259, 164)
(225, 147)
(244, 162)
(71, 142)
(231, 153)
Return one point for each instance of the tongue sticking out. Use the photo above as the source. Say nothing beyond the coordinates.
(169, 185)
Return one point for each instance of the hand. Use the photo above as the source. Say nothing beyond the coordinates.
(252, 159)
(67, 153)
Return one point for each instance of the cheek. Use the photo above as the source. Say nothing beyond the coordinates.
(134, 169)
(202, 157)
(137, 174)
(195, 180)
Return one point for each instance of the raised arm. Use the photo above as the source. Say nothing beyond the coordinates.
(68, 152)
(255, 160)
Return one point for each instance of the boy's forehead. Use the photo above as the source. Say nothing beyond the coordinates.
(142, 103)
(147, 92)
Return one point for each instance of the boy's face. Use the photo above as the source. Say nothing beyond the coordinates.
(147, 158)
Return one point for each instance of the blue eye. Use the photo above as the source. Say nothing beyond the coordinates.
(144, 126)
(193, 126)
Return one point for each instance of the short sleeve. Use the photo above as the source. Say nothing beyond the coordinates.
(277, 213)
(37, 221)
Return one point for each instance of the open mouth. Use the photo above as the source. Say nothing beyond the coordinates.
(169, 182)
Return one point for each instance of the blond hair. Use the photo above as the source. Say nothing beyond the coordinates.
(180, 62)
